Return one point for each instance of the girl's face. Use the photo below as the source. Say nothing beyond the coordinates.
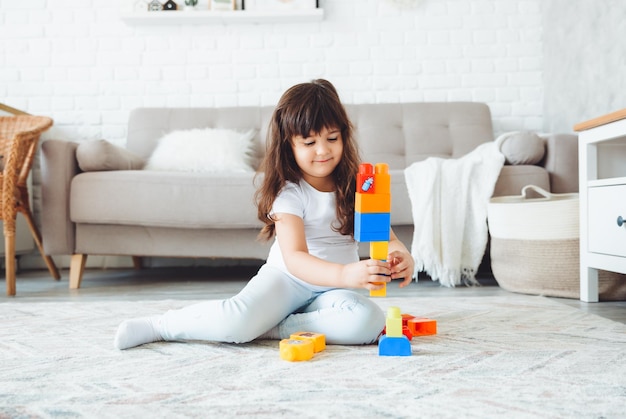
(317, 156)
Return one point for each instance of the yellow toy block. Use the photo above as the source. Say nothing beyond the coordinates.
(296, 349)
(318, 339)
(379, 250)
(380, 292)
(393, 325)
(368, 203)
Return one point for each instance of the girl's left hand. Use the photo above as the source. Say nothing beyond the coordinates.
(402, 266)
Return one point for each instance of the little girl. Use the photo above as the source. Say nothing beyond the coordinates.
(306, 202)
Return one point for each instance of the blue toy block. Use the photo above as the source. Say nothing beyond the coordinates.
(372, 227)
(394, 346)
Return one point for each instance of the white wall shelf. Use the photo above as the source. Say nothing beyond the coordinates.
(200, 17)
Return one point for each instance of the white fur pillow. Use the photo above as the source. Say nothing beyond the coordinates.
(209, 150)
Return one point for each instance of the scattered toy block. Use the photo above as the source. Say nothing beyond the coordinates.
(318, 339)
(394, 346)
(296, 349)
(407, 332)
(422, 326)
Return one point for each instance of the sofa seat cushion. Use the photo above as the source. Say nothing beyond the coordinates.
(164, 199)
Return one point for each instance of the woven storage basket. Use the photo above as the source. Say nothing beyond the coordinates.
(535, 247)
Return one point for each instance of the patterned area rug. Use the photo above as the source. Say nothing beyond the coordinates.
(512, 356)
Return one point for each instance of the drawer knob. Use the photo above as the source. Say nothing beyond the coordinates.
(620, 221)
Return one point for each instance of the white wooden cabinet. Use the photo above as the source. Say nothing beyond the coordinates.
(602, 187)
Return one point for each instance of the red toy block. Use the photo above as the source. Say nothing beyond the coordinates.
(406, 318)
(422, 326)
(365, 181)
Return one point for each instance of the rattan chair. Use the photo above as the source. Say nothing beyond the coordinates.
(19, 137)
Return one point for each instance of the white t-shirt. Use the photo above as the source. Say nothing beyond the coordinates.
(318, 211)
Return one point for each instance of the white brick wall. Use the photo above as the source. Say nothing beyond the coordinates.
(76, 61)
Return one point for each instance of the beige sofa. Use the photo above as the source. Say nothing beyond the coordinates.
(176, 214)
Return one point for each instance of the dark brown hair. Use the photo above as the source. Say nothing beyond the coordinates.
(304, 109)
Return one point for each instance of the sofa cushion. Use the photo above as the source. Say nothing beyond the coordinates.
(101, 155)
(521, 147)
(194, 200)
(207, 150)
(164, 199)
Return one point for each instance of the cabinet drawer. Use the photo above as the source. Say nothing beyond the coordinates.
(606, 204)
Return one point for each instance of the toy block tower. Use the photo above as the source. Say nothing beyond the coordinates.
(372, 216)
(394, 342)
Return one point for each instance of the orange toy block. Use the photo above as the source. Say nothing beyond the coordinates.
(318, 339)
(382, 178)
(369, 203)
(296, 349)
(422, 326)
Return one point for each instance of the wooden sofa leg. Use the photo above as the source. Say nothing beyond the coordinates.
(137, 264)
(9, 261)
(52, 268)
(77, 267)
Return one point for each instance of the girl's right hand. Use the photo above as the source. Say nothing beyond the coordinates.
(368, 274)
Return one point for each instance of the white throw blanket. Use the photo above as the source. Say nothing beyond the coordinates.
(449, 200)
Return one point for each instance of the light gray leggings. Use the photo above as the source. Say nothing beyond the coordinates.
(273, 306)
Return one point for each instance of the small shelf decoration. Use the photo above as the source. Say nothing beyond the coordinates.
(222, 5)
(191, 4)
(170, 5)
(155, 6)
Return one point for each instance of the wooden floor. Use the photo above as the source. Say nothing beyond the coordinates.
(222, 282)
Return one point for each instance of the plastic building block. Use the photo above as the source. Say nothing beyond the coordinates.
(406, 317)
(296, 349)
(379, 250)
(365, 181)
(372, 203)
(422, 326)
(393, 324)
(394, 346)
(372, 215)
(407, 332)
(382, 179)
(318, 339)
(371, 227)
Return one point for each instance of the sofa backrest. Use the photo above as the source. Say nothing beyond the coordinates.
(398, 134)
